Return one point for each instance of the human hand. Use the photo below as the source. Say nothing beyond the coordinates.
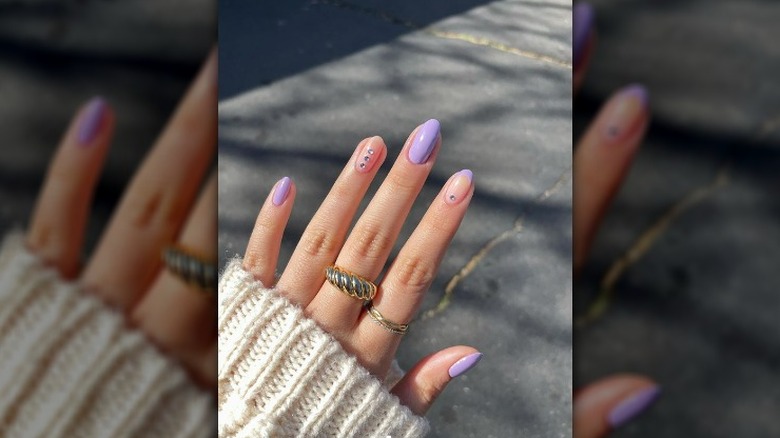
(158, 208)
(602, 159)
(365, 252)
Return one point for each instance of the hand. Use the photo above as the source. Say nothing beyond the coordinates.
(158, 208)
(365, 252)
(602, 158)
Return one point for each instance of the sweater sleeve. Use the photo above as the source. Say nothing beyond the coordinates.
(70, 367)
(281, 375)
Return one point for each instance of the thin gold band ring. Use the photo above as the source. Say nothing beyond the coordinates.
(392, 327)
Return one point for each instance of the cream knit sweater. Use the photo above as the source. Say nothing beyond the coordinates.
(280, 375)
(69, 367)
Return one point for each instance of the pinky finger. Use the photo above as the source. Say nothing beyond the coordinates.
(262, 251)
(420, 387)
(56, 230)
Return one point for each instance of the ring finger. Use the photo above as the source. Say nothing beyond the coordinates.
(370, 242)
(412, 272)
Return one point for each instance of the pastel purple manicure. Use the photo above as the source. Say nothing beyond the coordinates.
(91, 120)
(629, 408)
(281, 191)
(583, 22)
(465, 364)
(424, 141)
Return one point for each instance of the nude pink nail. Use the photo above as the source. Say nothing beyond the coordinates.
(458, 187)
(367, 156)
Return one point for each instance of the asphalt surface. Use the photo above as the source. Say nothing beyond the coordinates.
(54, 56)
(698, 312)
(298, 92)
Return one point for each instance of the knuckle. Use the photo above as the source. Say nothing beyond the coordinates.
(371, 242)
(415, 273)
(319, 243)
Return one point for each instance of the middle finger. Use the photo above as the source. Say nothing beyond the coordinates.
(370, 242)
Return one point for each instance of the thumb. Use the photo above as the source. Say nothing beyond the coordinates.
(610, 403)
(420, 386)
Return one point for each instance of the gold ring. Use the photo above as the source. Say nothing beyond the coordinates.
(351, 284)
(190, 268)
(392, 327)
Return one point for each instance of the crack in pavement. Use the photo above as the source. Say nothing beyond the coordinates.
(483, 251)
(644, 242)
(652, 234)
(439, 33)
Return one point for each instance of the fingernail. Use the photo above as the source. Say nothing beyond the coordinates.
(367, 156)
(629, 105)
(460, 367)
(91, 120)
(458, 187)
(424, 141)
(582, 24)
(281, 191)
(634, 405)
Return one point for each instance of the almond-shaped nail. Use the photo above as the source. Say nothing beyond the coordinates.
(624, 112)
(424, 142)
(367, 156)
(463, 365)
(582, 24)
(632, 406)
(281, 190)
(91, 120)
(458, 187)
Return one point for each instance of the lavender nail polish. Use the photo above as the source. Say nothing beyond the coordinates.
(91, 120)
(424, 141)
(281, 191)
(465, 364)
(629, 408)
(583, 22)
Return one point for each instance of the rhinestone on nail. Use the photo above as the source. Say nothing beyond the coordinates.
(370, 151)
(452, 197)
(365, 158)
(362, 165)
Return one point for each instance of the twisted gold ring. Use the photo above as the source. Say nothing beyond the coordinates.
(351, 284)
(190, 268)
(392, 327)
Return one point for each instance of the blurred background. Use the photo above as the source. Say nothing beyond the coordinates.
(699, 310)
(302, 82)
(56, 55)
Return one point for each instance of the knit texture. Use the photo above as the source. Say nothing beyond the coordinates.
(280, 375)
(69, 367)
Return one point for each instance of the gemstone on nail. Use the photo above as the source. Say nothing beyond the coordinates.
(370, 151)
(458, 187)
(366, 158)
(362, 165)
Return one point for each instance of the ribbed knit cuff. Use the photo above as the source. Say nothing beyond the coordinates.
(70, 367)
(281, 375)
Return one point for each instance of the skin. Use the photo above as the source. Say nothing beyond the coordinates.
(364, 251)
(600, 166)
(166, 202)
